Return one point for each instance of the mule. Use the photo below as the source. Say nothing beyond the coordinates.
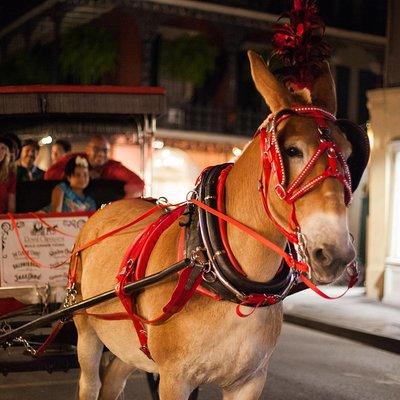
(207, 342)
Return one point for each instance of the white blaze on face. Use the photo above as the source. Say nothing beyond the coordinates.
(326, 228)
(329, 245)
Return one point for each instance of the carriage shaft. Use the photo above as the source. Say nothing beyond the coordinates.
(65, 312)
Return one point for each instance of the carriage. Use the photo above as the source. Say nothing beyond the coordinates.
(64, 111)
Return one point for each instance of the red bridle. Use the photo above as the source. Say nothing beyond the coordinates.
(272, 163)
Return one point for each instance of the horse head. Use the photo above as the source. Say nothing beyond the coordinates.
(311, 193)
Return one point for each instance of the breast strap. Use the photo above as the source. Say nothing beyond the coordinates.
(223, 278)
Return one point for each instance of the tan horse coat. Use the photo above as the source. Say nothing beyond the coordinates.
(206, 341)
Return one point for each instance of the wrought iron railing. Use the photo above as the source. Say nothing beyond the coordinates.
(269, 6)
(212, 119)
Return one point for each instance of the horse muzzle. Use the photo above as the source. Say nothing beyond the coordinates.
(328, 261)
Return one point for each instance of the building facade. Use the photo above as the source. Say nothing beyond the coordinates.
(384, 183)
(218, 100)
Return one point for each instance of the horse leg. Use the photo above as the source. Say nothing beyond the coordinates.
(90, 350)
(172, 387)
(114, 380)
(250, 390)
(153, 385)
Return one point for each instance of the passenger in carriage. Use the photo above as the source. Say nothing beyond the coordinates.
(59, 149)
(26, 168)
(70, 196)
(7, 177)
(15, 149)
(101, 167)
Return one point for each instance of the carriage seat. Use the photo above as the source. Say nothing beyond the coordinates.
(34, 195)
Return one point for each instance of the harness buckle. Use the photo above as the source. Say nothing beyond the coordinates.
(70, 298)
(267, 143)
(280, 191)
(302, 251)
(192, 194)
(199, 258)
(162, 201)
(352, 270)
(146, 351)
(324, 134)
(331, 152)
(209, 276)
(269, 124)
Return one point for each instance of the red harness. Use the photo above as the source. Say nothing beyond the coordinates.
(273, 164)
(133, 266)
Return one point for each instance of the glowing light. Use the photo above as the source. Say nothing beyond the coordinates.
(168, 159)
(45, 140)
(236, 151)
(174, 173)
(158, 144)
(370, 134)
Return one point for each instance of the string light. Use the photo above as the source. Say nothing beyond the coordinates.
(45, 140)
(370, 134)
(158, 144)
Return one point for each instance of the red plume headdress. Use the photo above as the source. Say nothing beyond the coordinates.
(299, 45)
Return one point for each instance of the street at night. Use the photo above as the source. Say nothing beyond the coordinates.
(305, 365)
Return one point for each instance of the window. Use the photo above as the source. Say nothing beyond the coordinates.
(368, 80)
(342, 90)
(394, 224)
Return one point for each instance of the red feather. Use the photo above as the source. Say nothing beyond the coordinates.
(299, 44)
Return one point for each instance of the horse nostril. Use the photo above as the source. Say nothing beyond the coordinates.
(322, 257)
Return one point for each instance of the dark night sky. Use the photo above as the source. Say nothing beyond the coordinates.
(11, 9)
(370, 18)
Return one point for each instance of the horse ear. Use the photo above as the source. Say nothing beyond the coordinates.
(323, 92)
(274, 93)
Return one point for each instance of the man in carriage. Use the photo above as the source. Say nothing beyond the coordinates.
(101, 166)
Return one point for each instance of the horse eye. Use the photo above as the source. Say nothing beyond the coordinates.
(293, 151)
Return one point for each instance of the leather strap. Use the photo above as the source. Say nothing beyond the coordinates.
(226, 276)
(272, 163)
(300, 266)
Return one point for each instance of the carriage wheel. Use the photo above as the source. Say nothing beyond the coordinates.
(153, 381)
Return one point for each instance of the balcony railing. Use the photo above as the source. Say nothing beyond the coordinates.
(211, 119)
(269, 6)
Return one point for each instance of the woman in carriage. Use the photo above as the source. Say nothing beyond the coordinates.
(69, 196)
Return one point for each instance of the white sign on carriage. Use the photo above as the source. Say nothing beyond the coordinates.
(35, 251)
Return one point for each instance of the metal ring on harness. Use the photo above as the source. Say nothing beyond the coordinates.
(229, 283)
